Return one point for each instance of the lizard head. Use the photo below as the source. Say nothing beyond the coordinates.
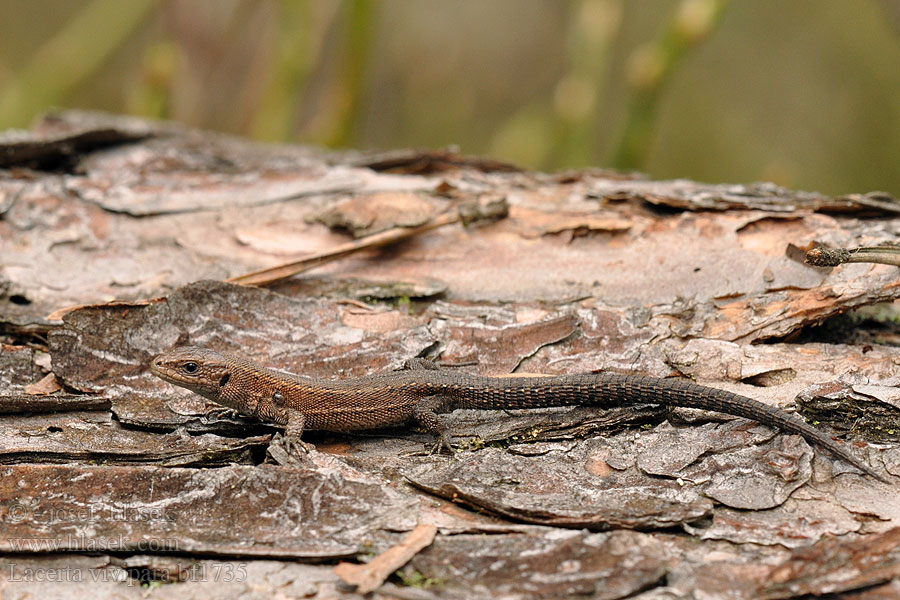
(200, 370)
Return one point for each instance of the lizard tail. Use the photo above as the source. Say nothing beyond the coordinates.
(613, 389)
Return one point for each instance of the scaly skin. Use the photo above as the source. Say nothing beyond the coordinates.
(299, 403)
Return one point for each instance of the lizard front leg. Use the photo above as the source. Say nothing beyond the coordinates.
(425, 412)
(287, 448)
(293, 420)
(296, 422)
(218, 413)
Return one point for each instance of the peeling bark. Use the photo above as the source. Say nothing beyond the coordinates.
(117, 236)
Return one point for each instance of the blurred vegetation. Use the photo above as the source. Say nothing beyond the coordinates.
(803, 93)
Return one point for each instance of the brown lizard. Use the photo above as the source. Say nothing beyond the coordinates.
(298, 403)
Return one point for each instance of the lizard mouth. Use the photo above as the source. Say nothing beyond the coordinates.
(163, 372)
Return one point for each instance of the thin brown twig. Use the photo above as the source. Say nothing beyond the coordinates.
(832, 257)
(286, 270)
(369, 576)
(466, 213)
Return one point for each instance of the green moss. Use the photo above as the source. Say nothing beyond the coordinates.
(417, 579)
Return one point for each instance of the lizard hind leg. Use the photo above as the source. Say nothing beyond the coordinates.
(426, 413)
(419, 364)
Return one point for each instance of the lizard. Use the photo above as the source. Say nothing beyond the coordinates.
(423, 391)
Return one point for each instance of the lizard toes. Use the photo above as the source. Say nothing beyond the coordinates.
(288, 449)
(218, 413)
(443, 443)
(294, 445)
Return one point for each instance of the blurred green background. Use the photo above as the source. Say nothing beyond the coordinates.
(803, 93)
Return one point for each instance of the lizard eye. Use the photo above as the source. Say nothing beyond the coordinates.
(190, 367)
